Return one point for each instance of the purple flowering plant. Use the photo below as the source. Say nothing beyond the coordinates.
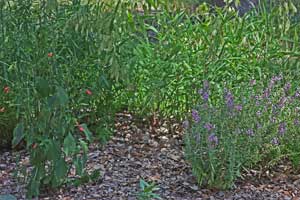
(242, 130)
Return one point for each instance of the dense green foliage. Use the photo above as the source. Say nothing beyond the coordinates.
(61, 64)
(67, 66)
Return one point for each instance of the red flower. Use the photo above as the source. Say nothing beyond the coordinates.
(34, 145)
(6, 89)
(2, 109)
(50, 54)
(88, 92)
(80, 128)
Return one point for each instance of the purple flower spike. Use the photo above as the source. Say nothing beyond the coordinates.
(205, 96)
(275, 141)
(258, 113)
(197, 137)
(229, 99)
(213, 139)
(206, 84)
(297, 94)
(205, 91)
(258, 126)
(196, 116)
(282, 102)
(209, 126)
(296, 122)
(252, 82)
(282, 128)
(266, 93)
(287, 87)
(238, 107)
(185, 124)
(273, 119)
(277, 78)
(250, 132)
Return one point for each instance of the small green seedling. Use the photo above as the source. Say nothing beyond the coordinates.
(147, 191)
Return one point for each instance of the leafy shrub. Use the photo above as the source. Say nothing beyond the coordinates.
(256, 127)
(64, 61)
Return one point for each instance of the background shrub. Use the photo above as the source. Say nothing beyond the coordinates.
(220, 47)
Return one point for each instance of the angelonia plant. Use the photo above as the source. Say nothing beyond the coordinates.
(257, 127)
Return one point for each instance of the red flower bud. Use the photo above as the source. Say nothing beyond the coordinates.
(6, 89)
(88, 92)
(50, 54)
(80, 128)
(34, 145)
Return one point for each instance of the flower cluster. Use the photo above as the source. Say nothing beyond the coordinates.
(204, 92)
(242, 130)
(262, 109)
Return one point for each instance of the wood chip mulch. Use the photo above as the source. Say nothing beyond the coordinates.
(153, 153)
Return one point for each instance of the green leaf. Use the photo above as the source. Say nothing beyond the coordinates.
(38, 156)
(53, 150)
(18, 134)
(78, 165)
(51, 5)
(84, 146)
(61, 169)
(34, 184)
(62, 96)
(7, 197)
(69, 145)
(84, 178)
(87, 132)
(42, 87)
(52, 101)
(95, 175)
(104, 82)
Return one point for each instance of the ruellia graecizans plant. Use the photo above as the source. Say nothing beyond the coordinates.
(259, 126)
(7, 115)
(60, 66)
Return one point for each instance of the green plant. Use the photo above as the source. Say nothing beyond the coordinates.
(218, 46)
(8, 118)
(147, 191)
(64, 62)
(256, 127)
(7, 197)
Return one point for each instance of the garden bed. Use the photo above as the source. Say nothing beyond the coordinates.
(153, 153)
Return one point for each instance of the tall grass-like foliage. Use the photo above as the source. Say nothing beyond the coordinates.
(259, 126)
(218, 46)
(62, 63)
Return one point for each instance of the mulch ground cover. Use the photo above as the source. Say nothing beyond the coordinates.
(153, 152)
